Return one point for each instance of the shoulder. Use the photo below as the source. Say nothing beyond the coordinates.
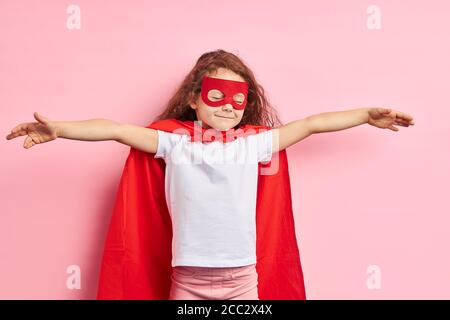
(252, 130)
(166, 124)
(258, 133)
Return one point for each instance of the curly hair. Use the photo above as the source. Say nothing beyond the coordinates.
(258, 110)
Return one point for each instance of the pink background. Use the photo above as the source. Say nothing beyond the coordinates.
(361, 197)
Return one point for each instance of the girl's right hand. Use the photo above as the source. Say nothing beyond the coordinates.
(41, 131)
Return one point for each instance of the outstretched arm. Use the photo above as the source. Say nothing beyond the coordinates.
(290, 134)
(142, 138)
(45, 130)
(295, 131)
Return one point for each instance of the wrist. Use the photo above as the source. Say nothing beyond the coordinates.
(366, 114)
(58, 128)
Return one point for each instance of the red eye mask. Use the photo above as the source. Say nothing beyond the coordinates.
(228, 87)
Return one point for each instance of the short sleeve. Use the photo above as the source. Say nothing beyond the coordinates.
(264, 145)
(166, 142)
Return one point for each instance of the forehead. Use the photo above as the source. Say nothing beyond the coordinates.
(225, 74)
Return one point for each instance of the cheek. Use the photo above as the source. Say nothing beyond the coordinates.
(240, 113)
(207, 110)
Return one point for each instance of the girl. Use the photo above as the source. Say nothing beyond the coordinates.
(212, 198)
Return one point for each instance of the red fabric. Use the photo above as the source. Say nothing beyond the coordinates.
(228, 87)
(136, 262)
(198, 133)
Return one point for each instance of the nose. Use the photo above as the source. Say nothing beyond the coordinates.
(227, 107)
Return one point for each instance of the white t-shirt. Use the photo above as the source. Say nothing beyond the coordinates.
(211, 196)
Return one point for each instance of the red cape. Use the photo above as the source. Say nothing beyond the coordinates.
(137, 255)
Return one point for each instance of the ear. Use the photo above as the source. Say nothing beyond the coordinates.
(192, 101)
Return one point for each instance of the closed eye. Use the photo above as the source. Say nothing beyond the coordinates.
(239, 98)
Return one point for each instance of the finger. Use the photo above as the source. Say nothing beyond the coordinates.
(10, 136)
(393, 128)
(402, 122)
(20, 127)
(404, 116)
(19, 133)
(34, 137)
(407, 117)
(398, 123)
(28, 142)
(40, 118)
(405, 121)
(16, 134)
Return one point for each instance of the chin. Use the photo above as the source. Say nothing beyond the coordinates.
(222, 128)
(224, 124)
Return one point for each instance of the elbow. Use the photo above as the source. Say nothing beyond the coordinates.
(118, 132)
(311, 125)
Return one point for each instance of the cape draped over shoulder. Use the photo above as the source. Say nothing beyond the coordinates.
(136, 261)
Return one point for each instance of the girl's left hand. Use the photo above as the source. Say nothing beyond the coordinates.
(386, 118)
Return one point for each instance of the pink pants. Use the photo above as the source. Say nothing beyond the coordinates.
(202, 283)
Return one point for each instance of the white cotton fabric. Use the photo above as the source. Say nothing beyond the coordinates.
(211, 196)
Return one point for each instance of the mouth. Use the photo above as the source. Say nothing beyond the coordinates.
(223, 117)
